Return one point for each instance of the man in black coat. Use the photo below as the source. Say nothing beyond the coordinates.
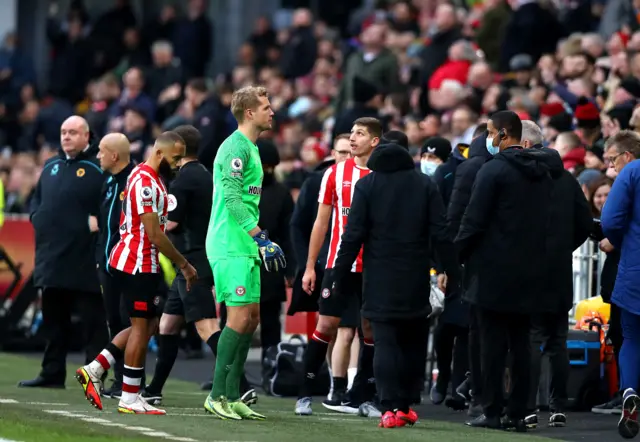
(64, 212)
(456, 308)
(397, 213)
(569, 225)
(276, 208)
(503, 241)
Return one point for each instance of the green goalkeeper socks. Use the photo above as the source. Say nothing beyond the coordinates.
(237, 370)
(228, 345)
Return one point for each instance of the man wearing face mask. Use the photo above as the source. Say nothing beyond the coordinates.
(512, 194)
(463, 180)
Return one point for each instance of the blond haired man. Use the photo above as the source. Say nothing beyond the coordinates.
(235, 245)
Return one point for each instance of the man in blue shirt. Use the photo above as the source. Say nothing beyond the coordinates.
(621, 226)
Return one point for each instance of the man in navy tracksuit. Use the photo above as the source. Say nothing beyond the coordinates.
(64, 213)
(115, 160)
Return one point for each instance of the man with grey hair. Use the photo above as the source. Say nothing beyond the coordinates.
(531, 135)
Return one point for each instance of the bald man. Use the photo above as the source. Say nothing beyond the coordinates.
(64, 211)
(115, 161)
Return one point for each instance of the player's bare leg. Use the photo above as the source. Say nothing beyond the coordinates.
(340, 357)
(90, 375)
(135, 354)
(353, 362)
(326, 331)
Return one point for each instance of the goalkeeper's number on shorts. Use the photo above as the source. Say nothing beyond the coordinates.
(270, 252)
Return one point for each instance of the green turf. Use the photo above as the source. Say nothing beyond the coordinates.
(27, 421)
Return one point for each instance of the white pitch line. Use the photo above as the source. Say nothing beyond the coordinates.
(182, 439)
(51, 404)
(8, 401)
(157, 434)
(96, 420)
(143, 429)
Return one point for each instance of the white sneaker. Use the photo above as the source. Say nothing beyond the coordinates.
(303, 406)
(139, 406)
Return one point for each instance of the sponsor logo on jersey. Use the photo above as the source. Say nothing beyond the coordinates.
(255, 190)
(345, 211)
(236, 164)
(163, 219)
(173, 203)
(146, 193)
(346, 184)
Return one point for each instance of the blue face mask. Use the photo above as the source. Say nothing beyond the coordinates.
(491, 148)
(428, 167)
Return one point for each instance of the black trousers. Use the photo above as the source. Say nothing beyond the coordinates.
(501, 333)
(270, 322)
(475, 366)
(57, 307)
(117, 315)
(451, 344)
(399, 360)
(549, 336)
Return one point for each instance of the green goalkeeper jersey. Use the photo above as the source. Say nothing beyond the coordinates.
(237, 186)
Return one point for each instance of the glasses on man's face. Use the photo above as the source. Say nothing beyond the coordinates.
(611, 160)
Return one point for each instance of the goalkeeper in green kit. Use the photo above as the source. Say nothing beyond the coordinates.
(235, 246)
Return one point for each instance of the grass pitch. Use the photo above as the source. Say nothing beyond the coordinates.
(46, 415)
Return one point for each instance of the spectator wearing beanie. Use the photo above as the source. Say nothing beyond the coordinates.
(556, 125)
(587, 119)
(434, 152)
(628, 92)
(594, 157)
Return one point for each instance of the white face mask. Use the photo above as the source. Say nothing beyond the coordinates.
(428, 167)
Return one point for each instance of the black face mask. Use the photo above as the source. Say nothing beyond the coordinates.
(268, 179)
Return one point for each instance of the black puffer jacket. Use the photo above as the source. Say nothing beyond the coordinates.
(465, 176)
(503, 238)
(396, 214)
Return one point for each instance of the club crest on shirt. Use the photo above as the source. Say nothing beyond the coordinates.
(326, 293)
(240, 291)
(172, 203)
(80, 172)
(122, 196)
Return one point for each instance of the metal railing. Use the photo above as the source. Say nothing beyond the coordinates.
(588, 260)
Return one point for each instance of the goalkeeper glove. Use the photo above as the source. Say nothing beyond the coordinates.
(271, 252)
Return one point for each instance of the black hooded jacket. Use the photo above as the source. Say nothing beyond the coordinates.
(302, 219)
(570, 223)
(397, 214)
(504, 238)
(465, 176)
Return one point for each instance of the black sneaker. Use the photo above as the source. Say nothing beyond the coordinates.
(249, 397)
(464, 390)
(531, 421)
(614, 406)
(115, 389)
(457, 403)
(151, 397)
(557, 420)
(335, 399)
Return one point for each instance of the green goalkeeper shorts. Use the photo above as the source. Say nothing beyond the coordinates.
(237, 280)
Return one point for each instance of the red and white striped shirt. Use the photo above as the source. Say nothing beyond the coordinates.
(145, 193)
(338, 184)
